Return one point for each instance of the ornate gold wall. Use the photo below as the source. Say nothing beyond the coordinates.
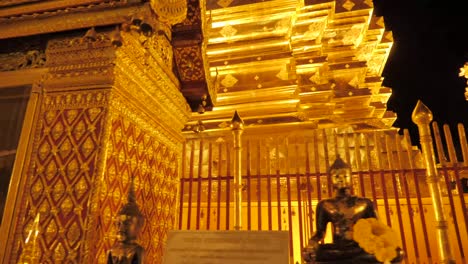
(104, 114)
(63, 169)
(142, 154)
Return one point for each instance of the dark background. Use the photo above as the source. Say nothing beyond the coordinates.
(430, 45)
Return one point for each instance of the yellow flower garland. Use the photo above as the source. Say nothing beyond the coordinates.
(376, 238)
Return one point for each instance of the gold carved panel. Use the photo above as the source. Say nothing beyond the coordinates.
(133, 151)
(59, 183)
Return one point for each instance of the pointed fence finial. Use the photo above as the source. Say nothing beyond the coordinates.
(237, 123)
(422, 115)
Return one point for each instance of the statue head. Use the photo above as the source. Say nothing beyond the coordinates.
(340, 174)
(130, 220)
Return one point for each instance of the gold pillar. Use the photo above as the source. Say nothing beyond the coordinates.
(237, 126)
(108, 108)
(422, 116)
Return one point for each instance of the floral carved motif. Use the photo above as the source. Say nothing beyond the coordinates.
(190, 63)
(22, 60)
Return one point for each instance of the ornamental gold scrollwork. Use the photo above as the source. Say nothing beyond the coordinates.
(190, 63)
(22, 60)
(161, 86)
(54, 10)
(170, 11)
(193, 16)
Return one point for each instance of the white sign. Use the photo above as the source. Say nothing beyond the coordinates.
(227, 247)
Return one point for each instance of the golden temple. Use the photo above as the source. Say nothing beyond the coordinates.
(95, 93)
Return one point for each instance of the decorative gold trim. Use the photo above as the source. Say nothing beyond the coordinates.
(158, 91)
(163, 132)
(21, 77)
(90, 235)
(89, 17)
(18, 178)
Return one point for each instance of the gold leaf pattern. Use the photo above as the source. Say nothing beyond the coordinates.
(66, 205)
(79, 130)
(73, 233)
(50, 116)
(44, 150)
(44, 209)
(50, 231)
(224, 3)
(94, 113)
(229, 81)
(70, 116)
(72, 168)
(60, 252)
(81, 188)
(66, 148)
(57, 130)
(67, 130)
(58, 191)
(51, 170)
(348, 5)
(88, 147)
(37, 189)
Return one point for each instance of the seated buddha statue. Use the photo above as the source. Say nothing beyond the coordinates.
(129, 223)
(343, 211)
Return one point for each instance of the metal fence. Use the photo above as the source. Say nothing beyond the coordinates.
(285, 175)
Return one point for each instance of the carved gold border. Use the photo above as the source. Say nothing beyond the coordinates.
(89, 236)
(139, 74)
(19, 175)
(163, 132)
(68, 21)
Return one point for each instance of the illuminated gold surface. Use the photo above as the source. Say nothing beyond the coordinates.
(464, 73)
(319, 62)
(18, 179)
(87, 90)
(422, 117)
(237, 127)
(29, 255)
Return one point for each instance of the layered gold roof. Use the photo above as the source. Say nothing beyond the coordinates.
(315, 63)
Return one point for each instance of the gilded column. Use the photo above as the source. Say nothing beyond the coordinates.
(237, 126)
(422, 116)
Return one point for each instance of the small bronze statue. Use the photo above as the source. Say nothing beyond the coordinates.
(129, 223)
(343, 211)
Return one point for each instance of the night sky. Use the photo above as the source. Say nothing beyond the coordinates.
(430, 45)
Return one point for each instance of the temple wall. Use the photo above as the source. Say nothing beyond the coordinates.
(103, 114)
(63, 167)
(133, 150)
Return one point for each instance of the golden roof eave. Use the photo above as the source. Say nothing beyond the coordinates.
(59, 17)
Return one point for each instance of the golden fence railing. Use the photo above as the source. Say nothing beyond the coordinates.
(285, 175)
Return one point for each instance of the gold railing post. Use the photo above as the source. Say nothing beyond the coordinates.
(237, 127)
(422, 116)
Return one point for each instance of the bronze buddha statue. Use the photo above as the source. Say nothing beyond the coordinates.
(129, 223)
(343, 211)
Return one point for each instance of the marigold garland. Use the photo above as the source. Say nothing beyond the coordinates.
(376, 238)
